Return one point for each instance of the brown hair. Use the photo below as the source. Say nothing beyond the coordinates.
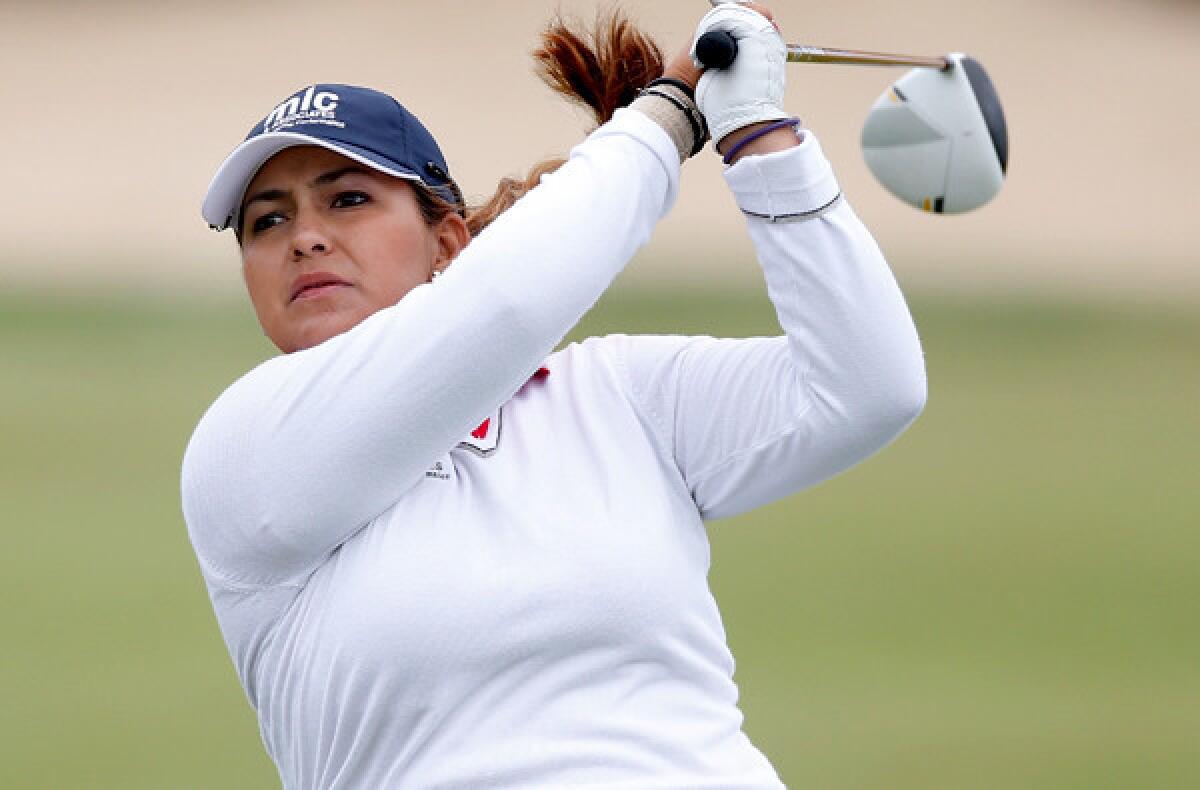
(602, 69)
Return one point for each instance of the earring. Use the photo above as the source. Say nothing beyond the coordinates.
(435, 274)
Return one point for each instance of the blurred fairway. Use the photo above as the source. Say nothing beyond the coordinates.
(1005, 598)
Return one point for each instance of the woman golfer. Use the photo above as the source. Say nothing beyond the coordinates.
(442, 555)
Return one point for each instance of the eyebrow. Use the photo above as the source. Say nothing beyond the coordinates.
(334, 175)
(321, 180)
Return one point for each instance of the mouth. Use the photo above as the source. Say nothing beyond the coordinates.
(316, 285)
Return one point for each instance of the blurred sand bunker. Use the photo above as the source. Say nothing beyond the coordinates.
(119, 112)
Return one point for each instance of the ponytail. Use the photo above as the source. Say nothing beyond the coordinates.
(602, 69)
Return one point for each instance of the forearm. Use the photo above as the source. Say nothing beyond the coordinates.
(750, 421)
(846, 321)
(856, 375)
(757, 139)
(309, 447)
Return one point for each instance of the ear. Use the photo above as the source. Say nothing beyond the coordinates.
(452, 236)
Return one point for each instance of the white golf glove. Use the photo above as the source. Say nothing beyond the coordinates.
(750, 90)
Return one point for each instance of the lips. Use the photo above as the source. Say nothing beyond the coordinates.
(316, 284)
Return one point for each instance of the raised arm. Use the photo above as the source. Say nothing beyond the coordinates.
(750, 421)
(307, 448)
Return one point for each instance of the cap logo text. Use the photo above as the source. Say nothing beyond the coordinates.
(310, 107)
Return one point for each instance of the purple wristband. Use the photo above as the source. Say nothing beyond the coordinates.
(757, 133)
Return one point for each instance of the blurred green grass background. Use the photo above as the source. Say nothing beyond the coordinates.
(1004, 598)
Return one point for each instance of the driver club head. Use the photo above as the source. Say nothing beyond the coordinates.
(937, 139)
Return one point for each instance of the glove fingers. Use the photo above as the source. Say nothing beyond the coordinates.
(735, 19)
(751, 89)
(738, 21)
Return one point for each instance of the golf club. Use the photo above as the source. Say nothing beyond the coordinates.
(717, 50)
(936, 139)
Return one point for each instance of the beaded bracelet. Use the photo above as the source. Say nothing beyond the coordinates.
(757, 133)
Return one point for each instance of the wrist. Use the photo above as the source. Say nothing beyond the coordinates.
(670, 104)
(764, 137)
(683, 71)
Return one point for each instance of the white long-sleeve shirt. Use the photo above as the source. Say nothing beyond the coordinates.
(416, 598)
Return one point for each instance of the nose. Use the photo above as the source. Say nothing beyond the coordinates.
(310, 238)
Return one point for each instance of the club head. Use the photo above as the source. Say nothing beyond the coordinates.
(937, 139)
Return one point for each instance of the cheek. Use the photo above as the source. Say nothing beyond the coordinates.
(399, 260)
(263, 287)
(255, 280)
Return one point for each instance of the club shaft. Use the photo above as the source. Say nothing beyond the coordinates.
(799, 53)
(807, 54)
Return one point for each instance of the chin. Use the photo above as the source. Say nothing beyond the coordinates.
(315, 330)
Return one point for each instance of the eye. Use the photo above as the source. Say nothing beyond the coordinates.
(266, 222)
(350, 199)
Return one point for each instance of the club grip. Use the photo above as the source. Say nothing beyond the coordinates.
(716, 49)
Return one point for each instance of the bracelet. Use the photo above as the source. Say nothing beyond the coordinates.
(673, 122)
(679, 94)
(683, 86)
(694, 119)
(757, 133)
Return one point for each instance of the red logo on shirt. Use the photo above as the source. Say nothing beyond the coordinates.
(484, 439)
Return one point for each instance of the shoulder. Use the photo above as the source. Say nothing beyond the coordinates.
(610, 349)
(636, 357)
(617, 355)
(639, 370)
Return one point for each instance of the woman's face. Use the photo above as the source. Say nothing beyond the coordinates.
(327, 242)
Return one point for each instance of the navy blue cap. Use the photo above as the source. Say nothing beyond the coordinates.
(362, 124)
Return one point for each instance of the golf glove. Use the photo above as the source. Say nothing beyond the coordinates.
(751, 89)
